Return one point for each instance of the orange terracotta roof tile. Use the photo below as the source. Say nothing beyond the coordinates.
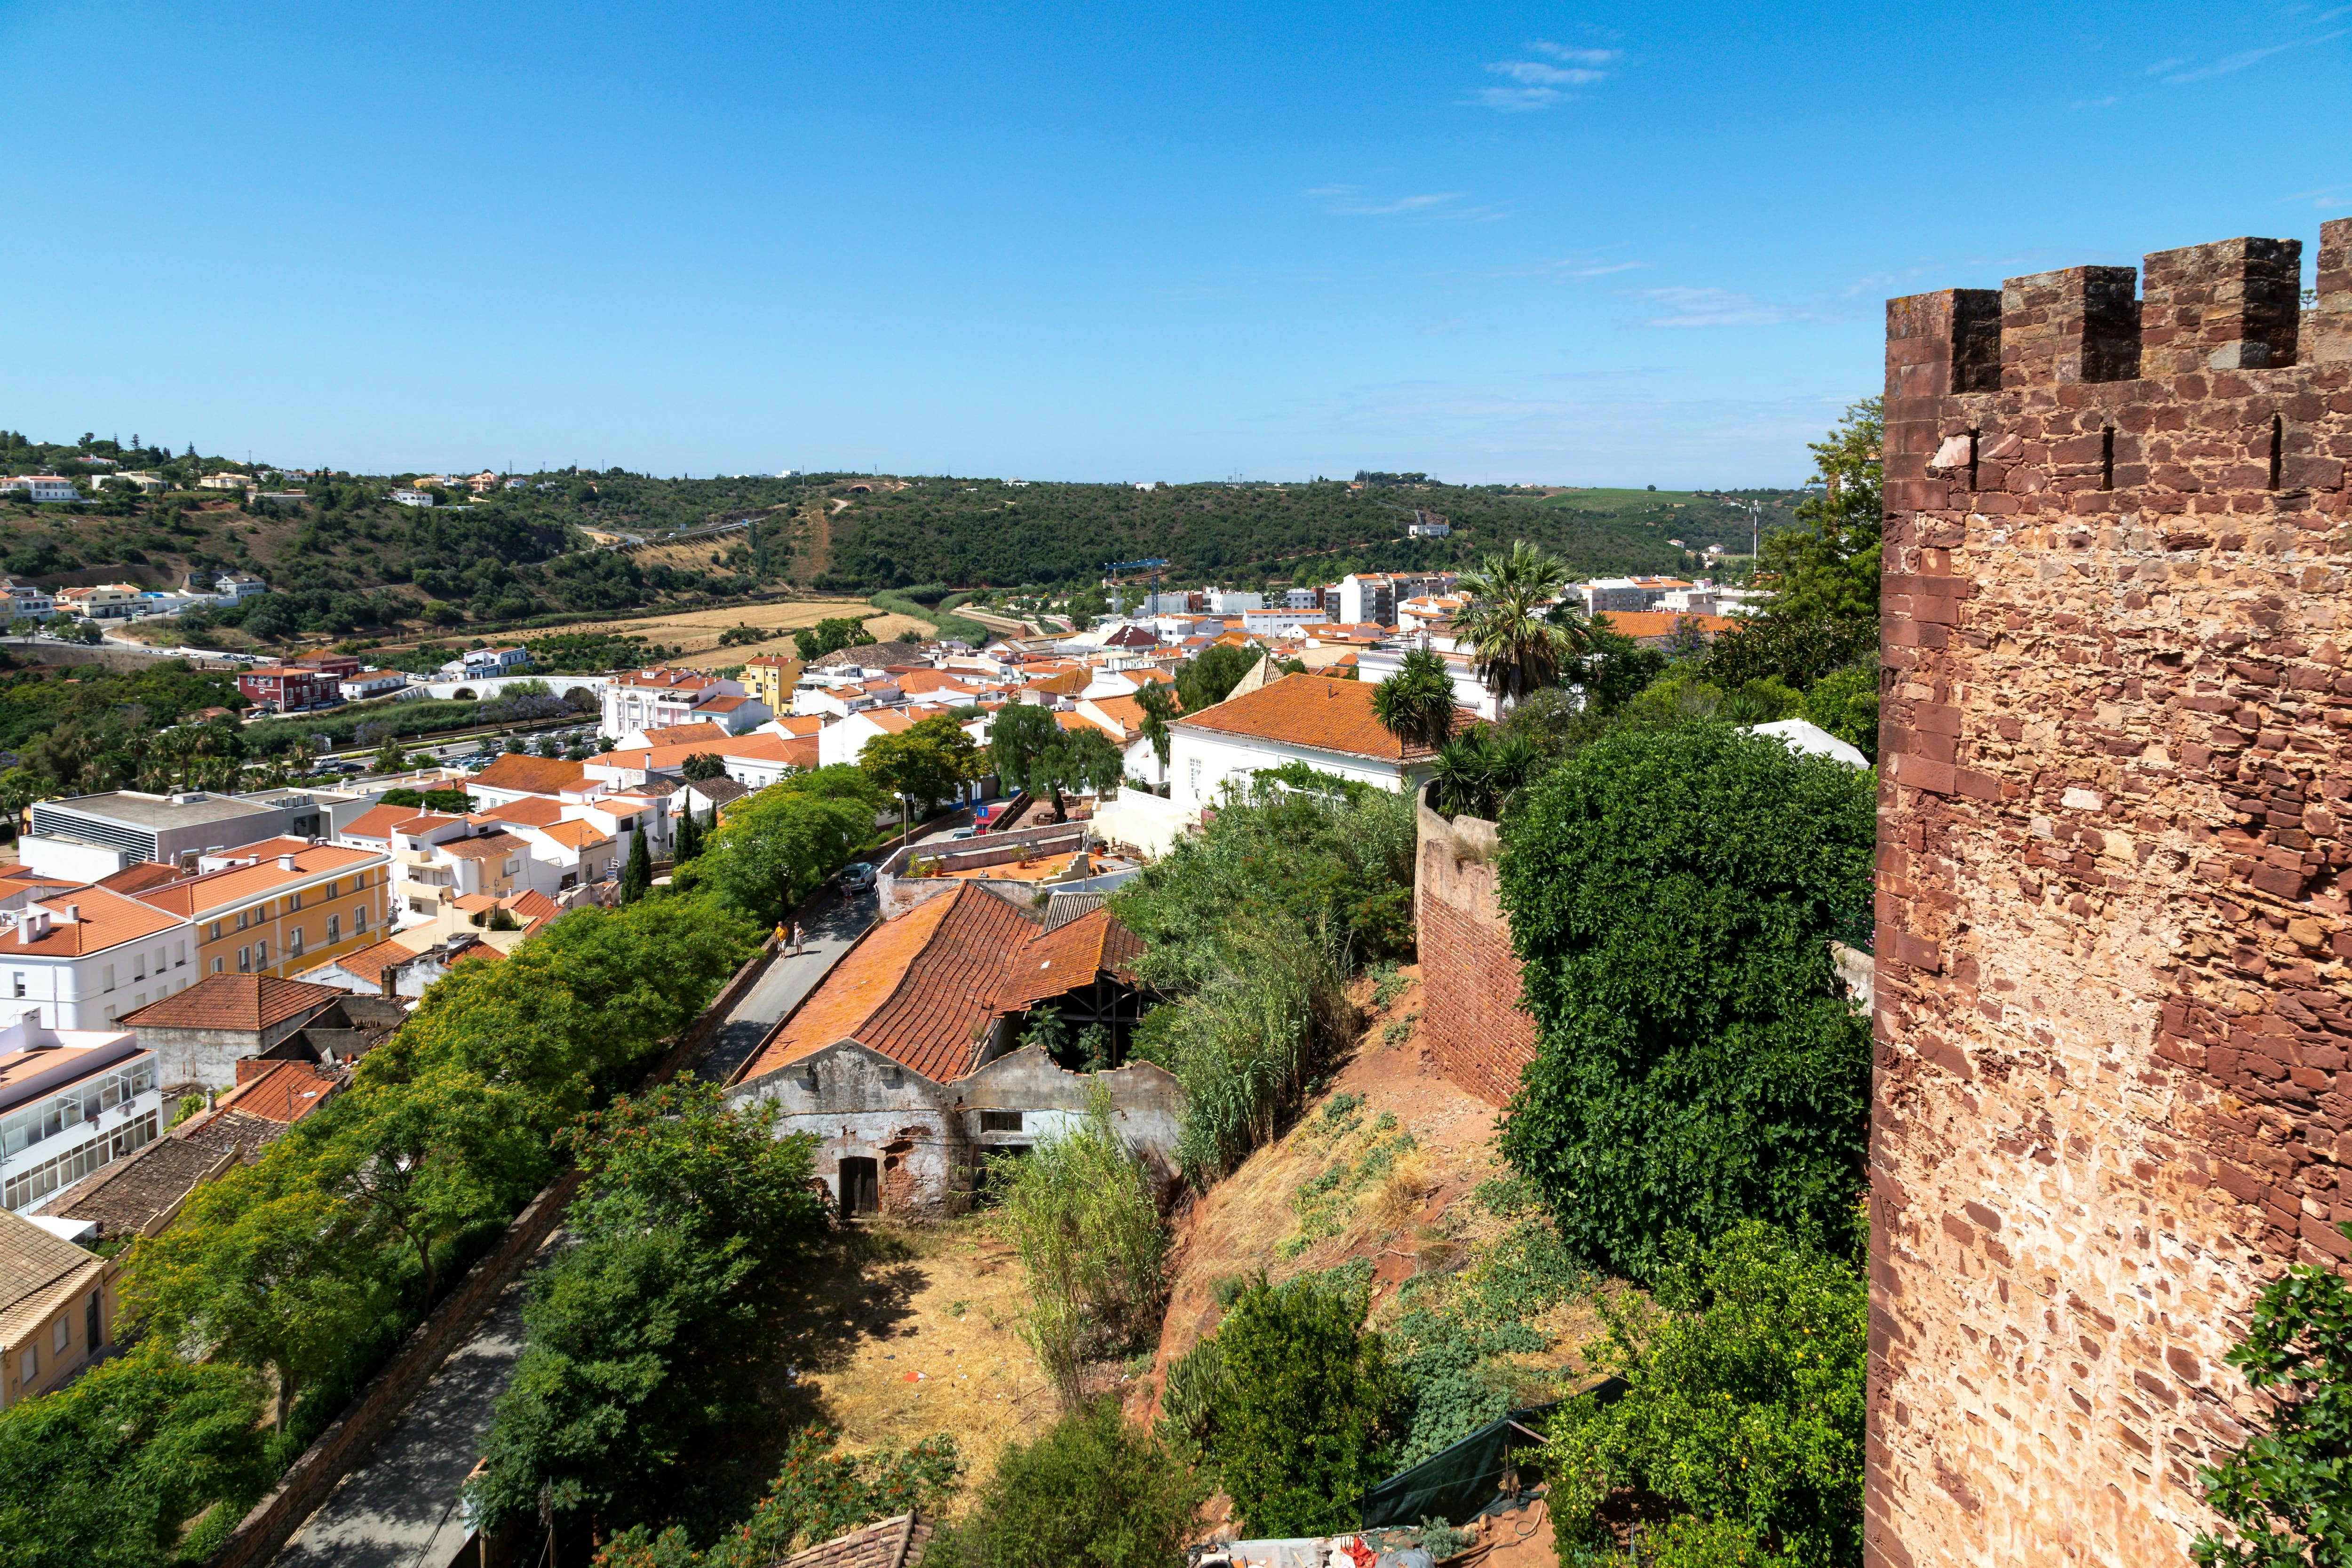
(138, 878)
(367, 963)
(1311, 710)
(530, 775)
(532, 811)
(102, 920)
(577, 835)
(193, 897)
(685, 734)
(916, 989)
(377, 822)
(283, 1091)
(239, 1002)
(1067, 957)
(1640, 624)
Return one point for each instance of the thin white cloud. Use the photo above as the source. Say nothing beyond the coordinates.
(1541, 82)
(1683, 306)
(2106, 102)
(1576, 56)
(1565, 267)
(1351, 201)
(2326, 198)
(2173, 73)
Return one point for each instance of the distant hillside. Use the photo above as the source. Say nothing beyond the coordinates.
(344, 560)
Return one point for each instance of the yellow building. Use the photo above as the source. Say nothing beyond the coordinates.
(769, 678)
(57, 1309)
(292, 906)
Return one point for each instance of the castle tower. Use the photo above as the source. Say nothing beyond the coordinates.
(2112, 1003)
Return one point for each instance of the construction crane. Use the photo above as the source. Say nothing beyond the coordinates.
(1153, 566)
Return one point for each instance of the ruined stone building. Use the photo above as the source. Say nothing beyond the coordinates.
(2111, 998)
(904, 1061)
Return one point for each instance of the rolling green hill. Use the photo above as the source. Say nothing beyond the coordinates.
(344, 560)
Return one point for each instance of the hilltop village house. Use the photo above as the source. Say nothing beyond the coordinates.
(904, 1064)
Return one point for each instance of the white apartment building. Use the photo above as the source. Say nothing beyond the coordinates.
(1274, 622)
(1324, 722)
(79, 958)
(71, 1102)
(656, 699)
(41, 487)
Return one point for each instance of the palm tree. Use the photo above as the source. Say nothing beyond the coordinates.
(1416, 703)
(1506, 628)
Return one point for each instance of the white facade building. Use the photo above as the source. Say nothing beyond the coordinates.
(70, 1102)
(1326, 723)
(41, 487)
(411, 498)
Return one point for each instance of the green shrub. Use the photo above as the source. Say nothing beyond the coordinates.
(2285, 1494)
(1744, 1407)
(1094, 1492)
(1081, 1210)
(1304, 1425)
(1672, 892)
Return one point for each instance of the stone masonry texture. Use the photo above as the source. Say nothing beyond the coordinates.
(1470, 1013)
(2112, 1094)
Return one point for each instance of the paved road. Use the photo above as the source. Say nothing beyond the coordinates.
(400, 1510)
(832, 927)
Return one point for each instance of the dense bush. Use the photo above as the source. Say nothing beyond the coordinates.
(1743, 1410)
(1094, 1492)
(1672, 893)
(1304, 1425)
(777, 847)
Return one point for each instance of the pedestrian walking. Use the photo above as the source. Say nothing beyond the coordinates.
(800, 938)
(783, 935)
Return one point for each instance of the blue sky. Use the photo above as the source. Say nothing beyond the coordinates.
(1588, 244)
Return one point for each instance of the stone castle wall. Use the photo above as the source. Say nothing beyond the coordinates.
(1470, 1013)
(2112, 1094)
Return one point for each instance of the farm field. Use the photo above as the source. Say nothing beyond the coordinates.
(698, 631)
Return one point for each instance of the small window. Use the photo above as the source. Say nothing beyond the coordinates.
(179, 955)
(261, 954)
(30, 1364)
(359, 918)
(1000, 1121)
(108, 974)
(61, 1335)
(334, 930)
(217, 965)
(20, 982)
(294, 943)
(293, 902)
(244, 960)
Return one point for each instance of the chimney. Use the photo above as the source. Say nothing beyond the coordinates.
(387, 980)
(286, 862)
(73, 913)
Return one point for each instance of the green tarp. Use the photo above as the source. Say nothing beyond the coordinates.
(1456, 1483)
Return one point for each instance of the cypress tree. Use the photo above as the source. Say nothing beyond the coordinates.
(638, 875)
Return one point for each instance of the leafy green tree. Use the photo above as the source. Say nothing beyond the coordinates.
(831, 636)
(637, 876)
(776, 847)
(1416, 703)
(263, 1268)
(2286, 1493)
(1672, 893)
(1827, 566)
(819, 1493)
(1033, 751)
(1611, 667)
(703, 765)
(1094, 1492)
(107, 1472)
(643, 1342)
(1208, 677)
(688, 843)
(1744, 1407)
(1845, 703)
(1305, 1427)
(1506, 626)
(928, 761)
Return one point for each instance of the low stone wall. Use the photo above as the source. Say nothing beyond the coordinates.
(345, 1444)
(1469, 976)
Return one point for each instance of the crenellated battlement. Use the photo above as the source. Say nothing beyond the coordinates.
(2113, 992)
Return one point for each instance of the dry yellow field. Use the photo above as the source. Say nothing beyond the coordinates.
(698, 631)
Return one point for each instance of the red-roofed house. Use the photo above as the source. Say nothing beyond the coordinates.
(903, 1061)
(1324, 722)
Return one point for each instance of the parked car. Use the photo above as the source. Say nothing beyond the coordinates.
(857, 876)
(964, 832)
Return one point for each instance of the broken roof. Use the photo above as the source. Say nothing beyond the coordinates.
(283, 1091)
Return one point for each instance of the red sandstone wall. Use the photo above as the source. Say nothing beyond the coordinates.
(1469, 977)
(2112, 1006)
